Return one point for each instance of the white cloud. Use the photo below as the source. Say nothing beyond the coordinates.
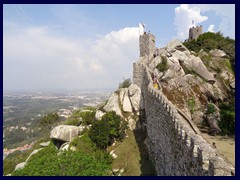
(211, 28)
(184, 15)
(36, 58)
(227, 14)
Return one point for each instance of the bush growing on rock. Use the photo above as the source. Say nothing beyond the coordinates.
(210, 108)
(109, 128)
(162, 66)
(209, 41)
(227, 123)
(73, 122)
(125, 84)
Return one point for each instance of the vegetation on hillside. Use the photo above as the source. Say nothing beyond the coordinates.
(209, 41)
(227, 123)
(125, 84)
(49, 162)
(81, 117)
(162, 66)
(109, 128)
(49, 120)
(17, 157)
(89, 156)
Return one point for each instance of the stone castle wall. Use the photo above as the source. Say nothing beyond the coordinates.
(172, 144)
(194, 32)
(147, 45)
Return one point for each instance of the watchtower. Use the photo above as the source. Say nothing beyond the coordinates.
(147, 44)
(194, 32)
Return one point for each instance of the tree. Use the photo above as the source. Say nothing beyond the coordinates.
(49, 120)
(111, 127)
(99, 134)
(125, 84)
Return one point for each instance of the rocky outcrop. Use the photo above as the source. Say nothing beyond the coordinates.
(64, 146)
(23, 164)
(218, 53)
(135, 96)
(186, 76)
(127, 101)
(44, 144)
(20, 166)
(99, 114)
(113, 105)
(232, 84)
(213, 119)
(64, 133)
(126, 104)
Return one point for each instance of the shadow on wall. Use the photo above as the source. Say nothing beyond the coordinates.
(147, 166)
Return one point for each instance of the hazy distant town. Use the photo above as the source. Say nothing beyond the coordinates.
(22, 112)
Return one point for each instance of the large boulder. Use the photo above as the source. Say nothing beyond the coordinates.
(202, 53)
(218, 53)
(23, 164)
(99, 114)
(127, 107)
(174, 71)
(20, 166)
(195, 65)
(34, 152)
(136, 98)
(44, 144)
(213, 119)
(64, 133)
(189, 62)
(175, 45)
(232, 84)
(112, 104)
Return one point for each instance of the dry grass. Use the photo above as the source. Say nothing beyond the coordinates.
(225, 145)
(131, 158)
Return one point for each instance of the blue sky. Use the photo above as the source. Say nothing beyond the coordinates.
(92, 46)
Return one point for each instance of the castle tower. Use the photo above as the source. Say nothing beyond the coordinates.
(194, 32)
(147, 44)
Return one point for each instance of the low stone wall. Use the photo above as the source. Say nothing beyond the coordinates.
(176, 149)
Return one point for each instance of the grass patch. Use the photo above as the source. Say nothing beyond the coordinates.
(131, 157)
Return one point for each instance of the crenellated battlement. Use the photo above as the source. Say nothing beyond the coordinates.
(173, 144)
(147, 45)
(194, 32)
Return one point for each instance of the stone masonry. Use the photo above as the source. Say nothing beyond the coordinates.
(147, 44)
(194, 32)
(175, 147)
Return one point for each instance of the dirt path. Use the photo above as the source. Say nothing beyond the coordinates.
(224, 144)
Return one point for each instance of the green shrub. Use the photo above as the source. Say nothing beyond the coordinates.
(162, 66)
(48, 162)
(227, 123)
(191, 104)
(110, 127)
(49, 120)
(88, 117)
(125, 84)
(79, 117)
(210, 108)
(73, 122)
(209, 41)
